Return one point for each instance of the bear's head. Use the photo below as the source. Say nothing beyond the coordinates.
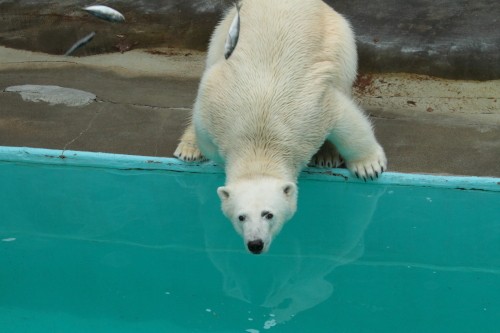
(258, 209)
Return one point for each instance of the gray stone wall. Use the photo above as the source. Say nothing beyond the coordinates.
(448, 38)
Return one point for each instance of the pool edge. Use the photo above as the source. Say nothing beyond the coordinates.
(137, 162)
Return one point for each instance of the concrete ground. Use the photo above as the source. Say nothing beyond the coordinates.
(144, 97)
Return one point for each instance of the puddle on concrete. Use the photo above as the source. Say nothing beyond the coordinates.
(53, 28)
(53, 94)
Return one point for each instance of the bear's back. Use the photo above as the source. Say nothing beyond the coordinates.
(265, 91)
(286, 37)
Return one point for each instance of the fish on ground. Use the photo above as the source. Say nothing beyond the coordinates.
(234, 33)
(80, 43)
(105, 13)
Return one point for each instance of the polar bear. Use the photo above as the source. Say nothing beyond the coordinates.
(281, 100)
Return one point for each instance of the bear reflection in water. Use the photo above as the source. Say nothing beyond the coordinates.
(326, 233)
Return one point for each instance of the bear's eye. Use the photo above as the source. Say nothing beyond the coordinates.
(242, 218)
(267, 215)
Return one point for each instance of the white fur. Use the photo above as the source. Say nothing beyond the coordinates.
(267, 110)
(251, 199)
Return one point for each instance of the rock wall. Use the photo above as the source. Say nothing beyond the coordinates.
(448, 38)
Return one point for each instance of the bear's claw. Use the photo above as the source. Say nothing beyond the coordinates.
(188, 152)
(368, 168)
(327, 157)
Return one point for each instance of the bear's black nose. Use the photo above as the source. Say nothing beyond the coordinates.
(256, 246)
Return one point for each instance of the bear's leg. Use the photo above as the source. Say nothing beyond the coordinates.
(353, 136)
(188, 150)
(327, 156)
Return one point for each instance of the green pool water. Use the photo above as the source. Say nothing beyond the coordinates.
(102, 243)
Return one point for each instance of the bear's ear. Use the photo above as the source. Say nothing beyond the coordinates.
(223, 193)
(289, 189)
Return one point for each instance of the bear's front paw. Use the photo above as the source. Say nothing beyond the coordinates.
(327, 157)
(188, 152)
(370, 167)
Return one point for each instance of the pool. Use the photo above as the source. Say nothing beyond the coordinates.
(111, 243)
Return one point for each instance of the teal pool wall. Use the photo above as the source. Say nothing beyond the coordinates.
(94, 242)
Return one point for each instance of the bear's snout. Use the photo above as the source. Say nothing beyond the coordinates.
(255, 246)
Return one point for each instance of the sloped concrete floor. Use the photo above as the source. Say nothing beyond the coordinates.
(426, 125)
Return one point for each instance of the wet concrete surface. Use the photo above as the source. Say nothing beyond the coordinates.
(456, 39)
(143, 110)
(53, 26)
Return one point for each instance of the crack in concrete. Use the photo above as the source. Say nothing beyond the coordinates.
(39, 61)
(85, 130)
(176, 108)
(426, 97)
(379, 116)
